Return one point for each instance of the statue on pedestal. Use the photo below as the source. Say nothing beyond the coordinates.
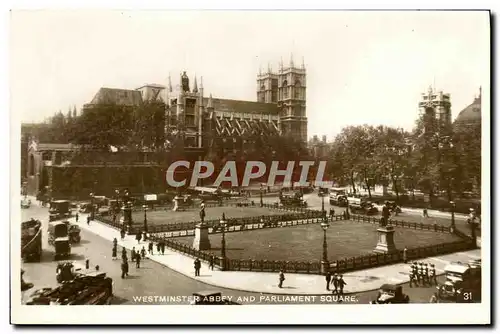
(202, 213)
(386, 213)
(185, 82)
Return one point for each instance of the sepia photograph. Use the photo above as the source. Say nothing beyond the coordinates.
(280, 164)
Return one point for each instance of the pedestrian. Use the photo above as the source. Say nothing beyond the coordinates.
(197, 266)
(113, 253)
(421, 273)
(434, 298)
(144, 236)
(133, 254)
(124, 267)
(433, 274)
(281, 279)
(138, 237)
(158, 247)
(426, 274)
(335, 282)
(162, 247)
(137, 261)
(122, 233)
(76, 217)
(124, 255)
(88, 220)
(328, 278)
(211, 263)
(150, 248)
(143, 252)
(425, 213)
(115, 242)
(341, 284)
(405, 255)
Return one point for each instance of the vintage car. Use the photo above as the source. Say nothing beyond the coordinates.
(73, 232)
(25, 203)
(392, 294)
(59, 209)
(463, 282)
(211, 298)
(182, 202)
(337, 196)
(362, 206)
(58, 236)
(292, 198)
(394, 207)
(85, 207)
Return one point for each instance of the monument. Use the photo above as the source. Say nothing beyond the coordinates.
(201, 240)
(385, 234)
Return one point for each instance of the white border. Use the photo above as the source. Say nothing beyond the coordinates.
(255, 314)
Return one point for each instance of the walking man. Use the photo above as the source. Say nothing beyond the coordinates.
(137, 261)
(335, 282)
(197, 266)
(124, 255)
(281, 279)
(138, 237)
(433, 275)
(143, 252)
(133, 254)
(211, 263)
(88, 220)
(158, 247)
(341, 284)
(124, 267)
(113, 252)
(150, 248)
(328, 278)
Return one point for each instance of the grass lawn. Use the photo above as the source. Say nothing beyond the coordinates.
(305, 242)
(170, 217)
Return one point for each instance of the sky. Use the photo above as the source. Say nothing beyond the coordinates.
(362, 67)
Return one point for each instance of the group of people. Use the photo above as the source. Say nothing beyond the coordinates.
(337, 280)
(422, 274)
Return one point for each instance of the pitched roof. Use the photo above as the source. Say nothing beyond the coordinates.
(239, 106)
(471, 114)
(125, 97)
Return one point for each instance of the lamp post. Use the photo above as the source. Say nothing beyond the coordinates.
(92, 209)
(452, 204)
(223, 224)
(145, 207)
(261, 200)
(322, 205)
(325, 265)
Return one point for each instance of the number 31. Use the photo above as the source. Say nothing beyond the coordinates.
(468, 296)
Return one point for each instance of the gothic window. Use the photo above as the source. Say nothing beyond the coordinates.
(297, 89)
(32, 165)
(285, 89)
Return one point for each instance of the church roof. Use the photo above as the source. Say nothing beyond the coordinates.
(125, 97)
(471, 114)
(239, 106)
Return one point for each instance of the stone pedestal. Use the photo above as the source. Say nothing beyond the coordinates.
(201, 240)
(385, 240)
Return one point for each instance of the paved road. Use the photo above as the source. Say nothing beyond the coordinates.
(152, 279)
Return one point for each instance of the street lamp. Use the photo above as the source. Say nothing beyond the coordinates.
(453, 205)
(92, 212)
(325, 265)
(223, 224)
(261, 200)
(323, 205)
(145, 207)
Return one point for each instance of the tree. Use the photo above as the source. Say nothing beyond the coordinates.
(392, 154)
(104, 125)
